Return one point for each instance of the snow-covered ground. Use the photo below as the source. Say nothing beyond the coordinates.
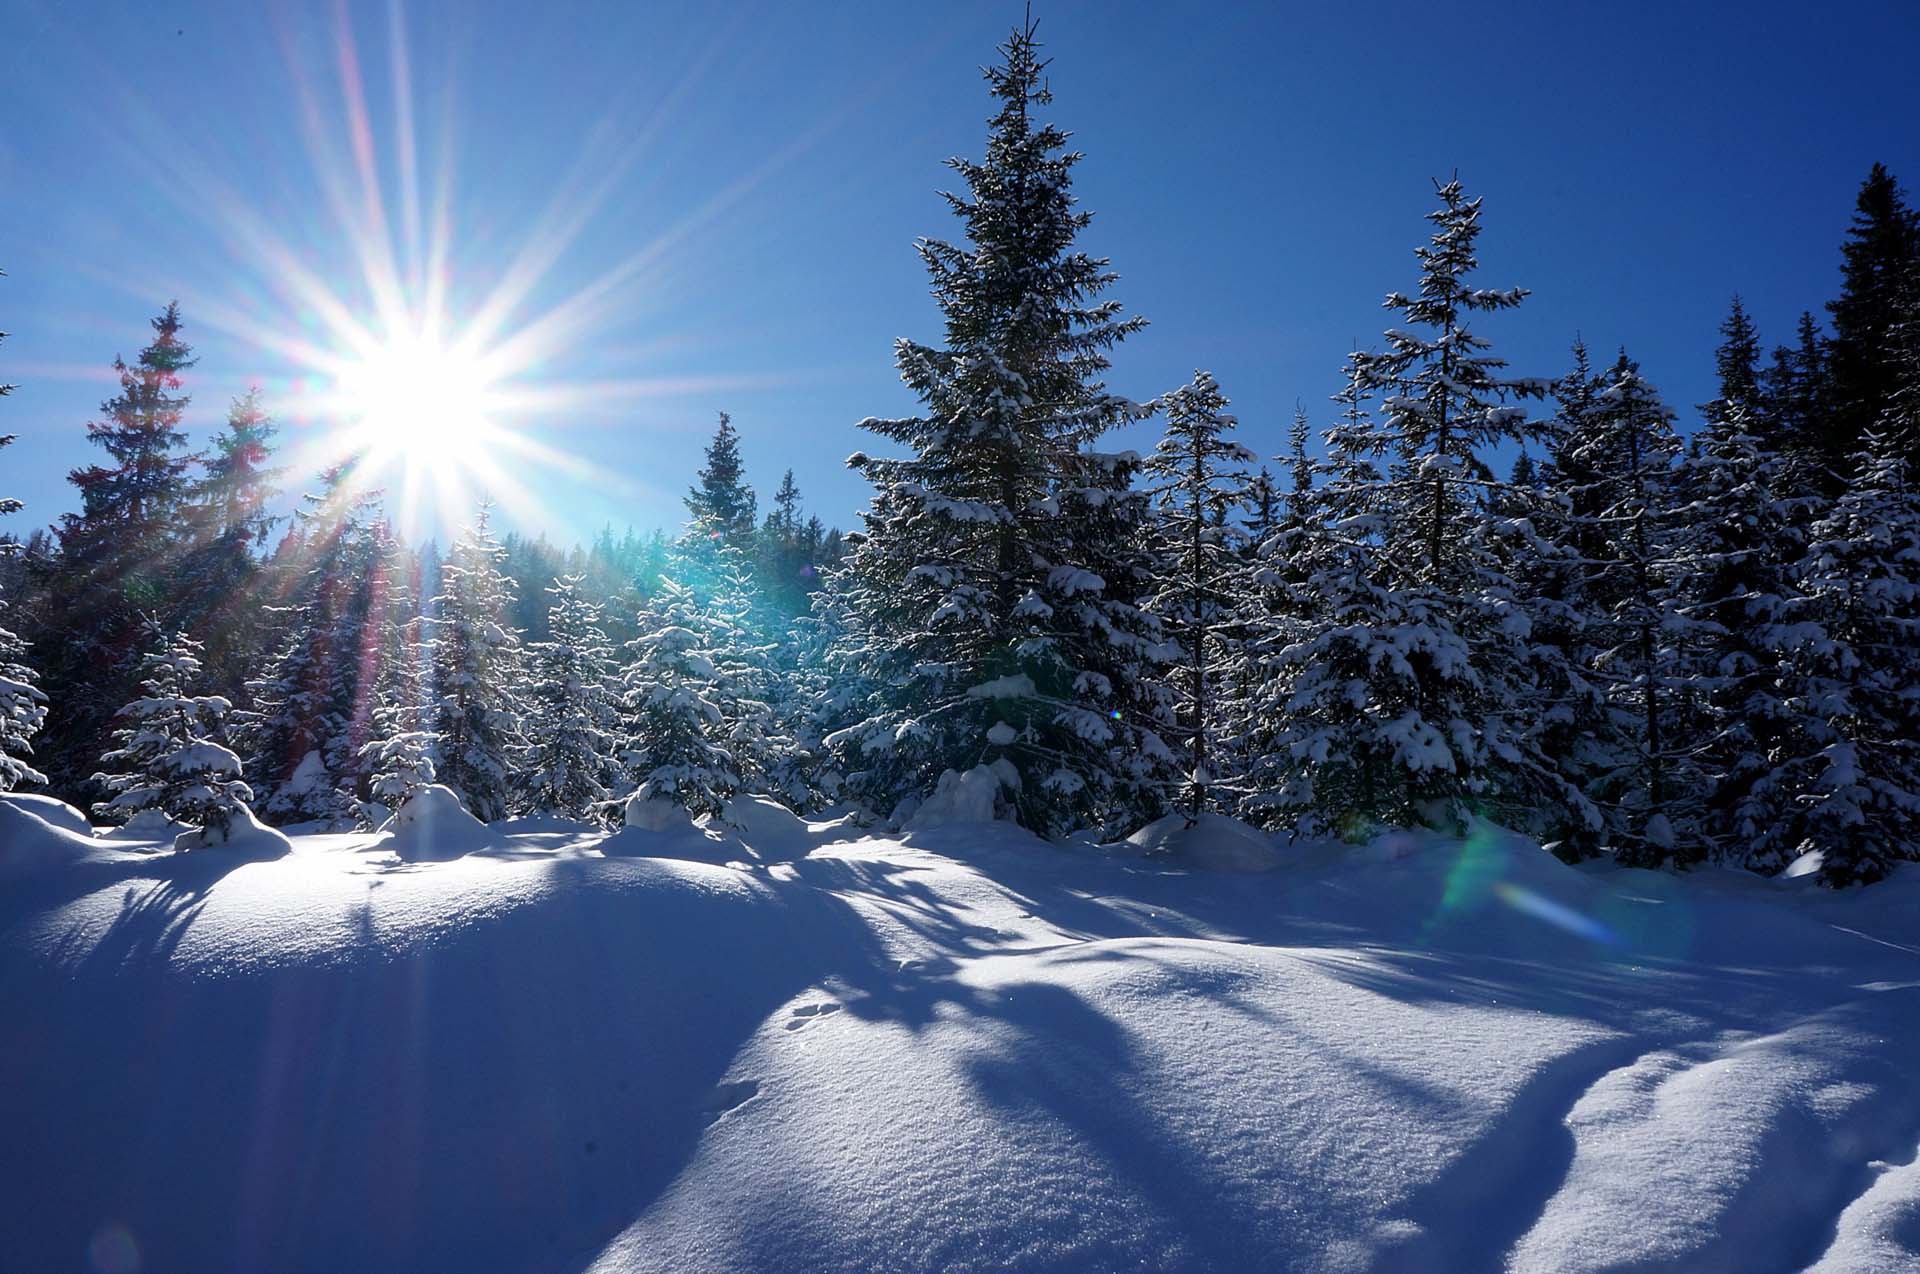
(960, 1050)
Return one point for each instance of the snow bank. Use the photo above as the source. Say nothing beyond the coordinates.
(245, 837)
(49, 809)
(1211, 841)
(433, 826)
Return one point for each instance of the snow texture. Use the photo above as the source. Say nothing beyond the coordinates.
(978, 1051)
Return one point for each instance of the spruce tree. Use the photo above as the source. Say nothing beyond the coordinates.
(310, 706)
(169, 755)
(477, 671)
(673, 746)
(1856, 778)
(228, 524)
(1636, 615)
(970, 594)
(1745, 537)
(1467, 645)
(1878, 261)
(398, 757)
(117, 555)
(23, 708)
(1199, 478)
(1796, 414)
(1337, 683)
(571, 707)
(1560, 579)
(1736, 365)
(723, 502)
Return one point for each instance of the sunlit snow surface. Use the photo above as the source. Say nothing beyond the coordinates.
(967, 1051)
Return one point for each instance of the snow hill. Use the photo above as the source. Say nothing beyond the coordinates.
(964, 1049)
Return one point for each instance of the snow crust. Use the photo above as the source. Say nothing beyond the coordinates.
(976, 1051)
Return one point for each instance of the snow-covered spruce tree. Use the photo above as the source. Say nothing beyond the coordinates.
(737, 629)
(23, 708)
(309, 708)
(1745, 539)
(1736, 366)
(228, 521)
(1114, 762)
(1856, 778)
(1199, 479)
(1339, 687)
(1464, 637)
(803, 701)
(1796, 409)
(1636, 620)
(571, 706)
(1564, 546)
(477, 672)
(673, 745)
(169, 755)
(116, 556)
(1864, 358)
(970, 544)
(723, 503)
(398, 757)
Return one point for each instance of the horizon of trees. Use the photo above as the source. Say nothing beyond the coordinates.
(1661, 647)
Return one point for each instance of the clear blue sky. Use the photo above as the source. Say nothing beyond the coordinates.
(729, 198)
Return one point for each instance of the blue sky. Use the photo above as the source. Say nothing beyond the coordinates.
(723, 204)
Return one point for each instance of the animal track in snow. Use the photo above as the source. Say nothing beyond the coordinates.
(726, 1098)
(807, 1013)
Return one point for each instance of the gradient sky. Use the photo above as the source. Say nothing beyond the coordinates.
(720, 208)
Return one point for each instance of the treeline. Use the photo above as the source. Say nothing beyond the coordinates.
(177, 609)
(1528, 598)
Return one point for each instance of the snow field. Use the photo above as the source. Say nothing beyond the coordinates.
(958, 1049)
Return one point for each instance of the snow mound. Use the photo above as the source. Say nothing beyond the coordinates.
(245, 837)
(774, 832)
(433, 826)
(1212, 841)
(30, 845)
(546, 824)
(656, 828)
(148, 825)
(966, 799)
(50, 809)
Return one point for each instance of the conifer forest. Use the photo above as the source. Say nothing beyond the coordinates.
(1478, 833)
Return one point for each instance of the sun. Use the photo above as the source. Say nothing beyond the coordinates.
(416, 400)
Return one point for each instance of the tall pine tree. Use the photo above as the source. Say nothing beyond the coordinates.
(1199, 478)
(117, 555)
(971, 598)
(477, 673)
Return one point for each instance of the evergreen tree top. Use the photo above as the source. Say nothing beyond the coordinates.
(141, 431)
(723, 502)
